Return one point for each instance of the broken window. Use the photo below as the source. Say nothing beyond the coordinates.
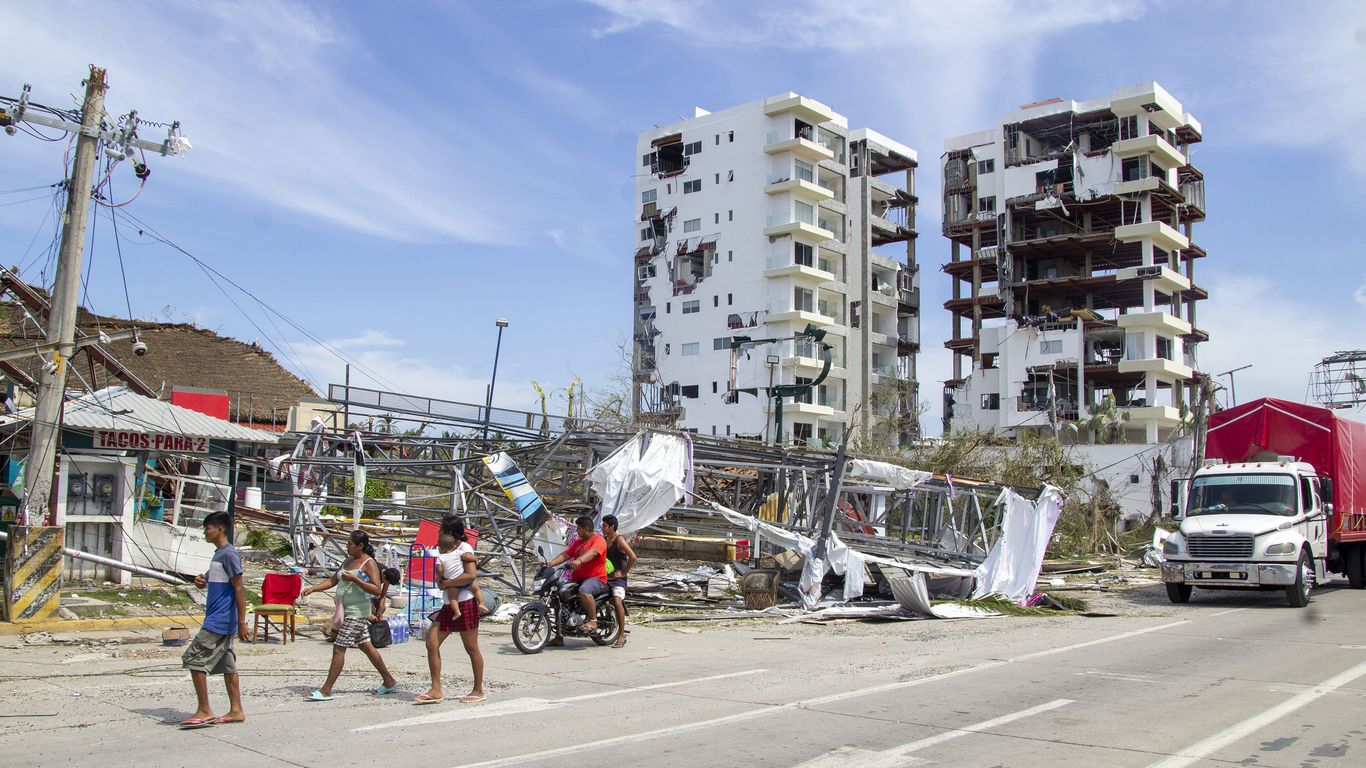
(669, 158)
(646, 271)
(1050, 347)
(692, 186)
(991, 402)
(801, 433)
(803, 130)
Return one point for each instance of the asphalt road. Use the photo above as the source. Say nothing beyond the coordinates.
(1227, 680)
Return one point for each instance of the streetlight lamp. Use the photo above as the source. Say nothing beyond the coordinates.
(488, 404)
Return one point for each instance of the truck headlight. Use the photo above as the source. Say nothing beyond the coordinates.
(1171, 546)
(1284, 548)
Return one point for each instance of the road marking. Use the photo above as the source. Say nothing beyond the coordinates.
(1233, 733)
(751, 714)
(1225, 613)
(896, 756)
(529, 704)
(1145, 679)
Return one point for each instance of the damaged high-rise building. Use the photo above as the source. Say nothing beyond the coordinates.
(760, 222)
(1073, 268)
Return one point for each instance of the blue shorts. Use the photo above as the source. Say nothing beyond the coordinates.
(592, 587)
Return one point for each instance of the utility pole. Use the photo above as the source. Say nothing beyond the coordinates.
(61, 326)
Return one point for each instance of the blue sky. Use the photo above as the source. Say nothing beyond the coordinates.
(393, 177)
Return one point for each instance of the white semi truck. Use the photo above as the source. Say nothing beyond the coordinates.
(1278, 505)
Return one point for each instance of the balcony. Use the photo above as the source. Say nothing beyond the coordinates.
(808, 190)
(805, 148)
(793, 315)
(801, 409)
(800, 107)
(1164, 415)
(1163, 322)
(882, 339)
(908, 300)
(791, 225)
(1165, 155)
(1161, 235)
(782, 265)
(1161, 367)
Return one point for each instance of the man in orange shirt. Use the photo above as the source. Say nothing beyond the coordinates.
(588, 558)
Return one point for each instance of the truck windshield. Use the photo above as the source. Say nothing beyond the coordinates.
(1243, 494)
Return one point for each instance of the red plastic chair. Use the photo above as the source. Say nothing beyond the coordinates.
(278, 593)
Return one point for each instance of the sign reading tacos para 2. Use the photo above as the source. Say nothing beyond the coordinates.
(124, 440)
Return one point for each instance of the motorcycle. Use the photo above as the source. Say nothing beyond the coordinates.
(556, 605)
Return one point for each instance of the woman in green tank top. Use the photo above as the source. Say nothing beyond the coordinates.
(356, 581)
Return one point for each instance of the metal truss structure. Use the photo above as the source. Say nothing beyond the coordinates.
(1339, 380)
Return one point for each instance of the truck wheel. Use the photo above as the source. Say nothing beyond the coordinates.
(1297, 594)
(1354, 558)
(1178, 593)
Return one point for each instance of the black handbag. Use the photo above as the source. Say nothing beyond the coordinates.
(380, 634)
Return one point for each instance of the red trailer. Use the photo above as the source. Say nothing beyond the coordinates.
(1265, 429)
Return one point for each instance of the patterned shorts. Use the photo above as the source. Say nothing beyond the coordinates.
(354, 633)
(448, 622)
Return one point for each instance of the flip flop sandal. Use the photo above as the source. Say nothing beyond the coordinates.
(320, 696)
(384, 690)
(620, 643)
(225, 721)
(470, 698)
(423, 698)
(194, 723)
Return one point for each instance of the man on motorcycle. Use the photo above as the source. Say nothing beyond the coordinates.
(587, 557)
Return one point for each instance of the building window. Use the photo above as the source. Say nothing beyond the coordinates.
(801, 433)
(730, 215)
(718, 139)
(666, 348)
(1164, 348)
(713, 430)
(803, 254)
(713, 391)
(717, 180)
(731, 134)
(727, 429)
(1134, 168)
(991, 402)
(1050, 347)
(646, 271)
(691, 308)
(688, 350)
(689, 391)
(1128, 127)
(647, 234)
(730, 176)
(649, 195)
(692, 186)
(730, 255)
(805, 171)
(692, 148)
(720, 342)
(986, 166)
(645, 161)
(986, 204)
(716, 301)
(730, 299)
(802, 299)
(668, 307)
(692, 225)
(716, 218)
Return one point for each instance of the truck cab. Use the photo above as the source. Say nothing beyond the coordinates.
(1252, 525)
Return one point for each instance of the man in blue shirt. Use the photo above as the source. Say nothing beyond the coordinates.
(225, 615)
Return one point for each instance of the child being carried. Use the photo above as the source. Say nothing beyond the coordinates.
(451, 559)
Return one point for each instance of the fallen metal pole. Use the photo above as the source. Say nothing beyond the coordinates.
(139, 570)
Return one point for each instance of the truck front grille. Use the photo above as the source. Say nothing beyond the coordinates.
(1220, 547)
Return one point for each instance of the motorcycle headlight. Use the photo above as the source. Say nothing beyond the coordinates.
(1284, 548)
(537, 584)
(1172, 546)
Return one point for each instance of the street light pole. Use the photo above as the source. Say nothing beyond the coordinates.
(497, 348)
(1233, 390)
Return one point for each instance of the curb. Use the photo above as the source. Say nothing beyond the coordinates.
(156, 623)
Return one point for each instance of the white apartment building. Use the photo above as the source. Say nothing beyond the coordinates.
(758, 221)
(1073, 266)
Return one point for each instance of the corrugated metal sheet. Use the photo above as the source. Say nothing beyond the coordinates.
(118, 408)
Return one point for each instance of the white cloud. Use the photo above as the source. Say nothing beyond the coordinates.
(1302, 80)
(1254, 321)
(1359, 295)
(267, 94)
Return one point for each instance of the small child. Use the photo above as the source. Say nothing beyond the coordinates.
(450, 560)
(378, 605)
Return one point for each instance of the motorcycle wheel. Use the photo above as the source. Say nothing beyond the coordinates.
(608, 630)
(531, 629)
